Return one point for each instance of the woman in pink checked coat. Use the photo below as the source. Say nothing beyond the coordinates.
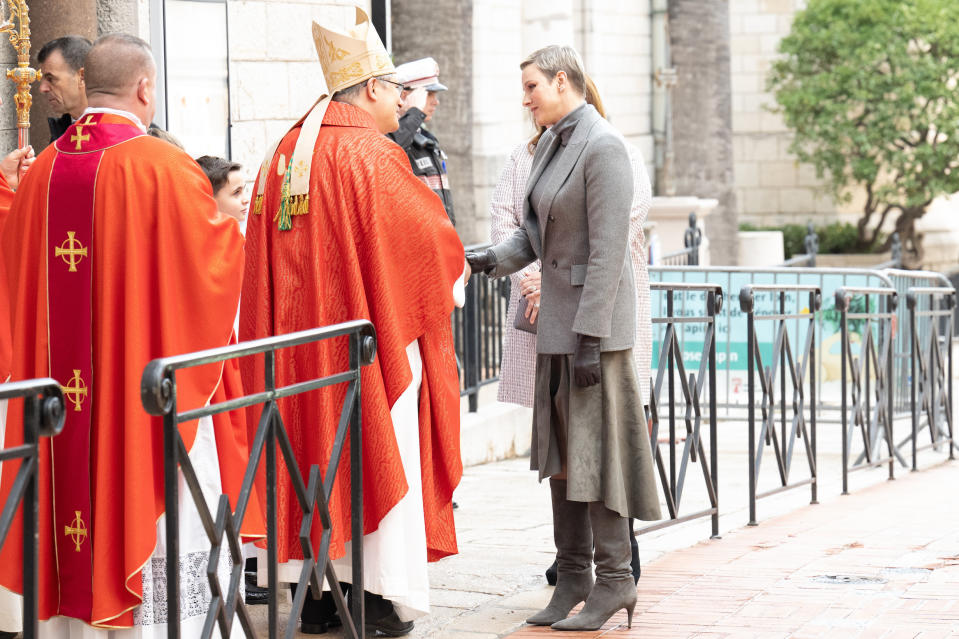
(506, 211)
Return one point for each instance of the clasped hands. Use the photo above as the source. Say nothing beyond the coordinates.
(586, 358)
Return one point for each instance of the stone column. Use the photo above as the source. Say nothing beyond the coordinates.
(444, 31)
(51, 19)
(702, 116)
(117, 16)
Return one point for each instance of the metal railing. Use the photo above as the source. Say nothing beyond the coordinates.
(692, 240)
(931, 369)
(731, 343)
(785, 363)
(903, 280)
(159, 397)
(478, 332)
(671, 370)
(871, 410)
(43, 416)
(810, 245)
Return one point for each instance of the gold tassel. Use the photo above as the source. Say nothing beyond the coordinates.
(258, 205)
(301, 204)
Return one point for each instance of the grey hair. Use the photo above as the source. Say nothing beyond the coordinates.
(351, 93)
(555, 58)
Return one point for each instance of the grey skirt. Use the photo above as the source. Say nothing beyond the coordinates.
(599, 432)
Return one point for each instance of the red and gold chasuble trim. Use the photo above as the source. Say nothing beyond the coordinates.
(70, 321)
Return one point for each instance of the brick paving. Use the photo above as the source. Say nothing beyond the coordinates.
(882, 562)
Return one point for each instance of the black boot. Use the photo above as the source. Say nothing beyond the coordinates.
(381, 617)
(574, 544)
(634, 551)
(254, 594)
(319, 615)
(551, 573)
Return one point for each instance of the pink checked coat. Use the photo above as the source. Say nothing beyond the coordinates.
(519, 348)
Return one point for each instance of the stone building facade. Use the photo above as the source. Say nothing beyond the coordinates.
(273, 75)
(772, 187)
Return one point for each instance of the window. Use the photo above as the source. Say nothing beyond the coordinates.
(194, 68)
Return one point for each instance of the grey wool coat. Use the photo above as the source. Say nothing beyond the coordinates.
(581, 235)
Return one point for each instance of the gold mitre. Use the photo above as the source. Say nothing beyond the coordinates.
(351, 57)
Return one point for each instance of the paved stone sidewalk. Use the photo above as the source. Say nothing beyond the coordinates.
(880, 563)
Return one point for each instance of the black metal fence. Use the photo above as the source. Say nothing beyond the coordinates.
(670, 370)
(794, 364)
(478, 332)
(158, 393)
(689, 255)
(867, 380)
(931, 369)
(43, 415)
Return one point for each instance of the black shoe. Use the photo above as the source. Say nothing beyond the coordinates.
(381, 617)
(255, 596)
(8, 635)
(634, 551)
(318, 615)
(551, 574)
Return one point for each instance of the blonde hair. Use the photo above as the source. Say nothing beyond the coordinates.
(592, 97)
(555, 58)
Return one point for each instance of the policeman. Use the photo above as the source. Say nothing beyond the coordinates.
(420, 80)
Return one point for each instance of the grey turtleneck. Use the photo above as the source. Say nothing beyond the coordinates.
(562, 130)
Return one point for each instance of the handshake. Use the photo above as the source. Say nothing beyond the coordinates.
(481, 262)
(586, 358)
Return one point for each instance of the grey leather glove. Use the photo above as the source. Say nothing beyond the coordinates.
(484, 261)
(586, 369)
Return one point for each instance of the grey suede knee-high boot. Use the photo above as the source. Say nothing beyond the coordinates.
(574, 549)
(614, 588)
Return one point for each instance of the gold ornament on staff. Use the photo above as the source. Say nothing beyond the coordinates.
(23, 75)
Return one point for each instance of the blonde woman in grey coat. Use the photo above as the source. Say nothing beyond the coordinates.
(518, 367)
(589, 430)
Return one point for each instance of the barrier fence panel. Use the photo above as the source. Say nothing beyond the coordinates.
(158, 394)
(931, 368)
(731, 329)
(696, 389)
(42, 417)
(871, 410)
(478, 332)
(792, 361)
(902, 280)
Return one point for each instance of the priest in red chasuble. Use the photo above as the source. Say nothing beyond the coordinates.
(342, 230)
(114, 254)
(12, 168)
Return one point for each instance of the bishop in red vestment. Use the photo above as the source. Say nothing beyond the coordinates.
(362, 238)
(114, 254)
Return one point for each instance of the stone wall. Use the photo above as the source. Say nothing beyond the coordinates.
(613, 39)
(444, 31)
(275, 75)
(772, 186)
